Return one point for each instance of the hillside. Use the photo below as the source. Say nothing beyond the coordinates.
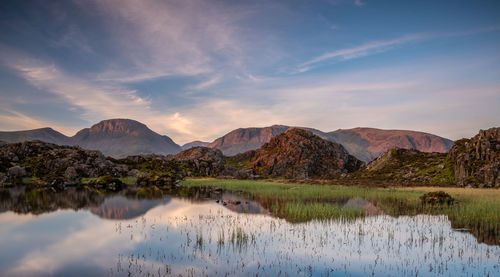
(369, 143)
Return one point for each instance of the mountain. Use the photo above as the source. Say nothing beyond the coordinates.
(299, 154)
(114, 137)
(245, 139)
(195, 143)
(124, 137)
(44, 134)
(369, 143)
(364, 143)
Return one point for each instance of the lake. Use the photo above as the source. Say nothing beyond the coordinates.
(206, 233)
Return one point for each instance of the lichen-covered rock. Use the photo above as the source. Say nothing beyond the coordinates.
(200, 161)
(52, 163)
(16, 172)
(299, 154)
(477, 160)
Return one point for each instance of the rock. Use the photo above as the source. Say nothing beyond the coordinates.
(437, 197)
(70, 174)
(133, 173)
(200, 161)
(299, 154)
(477, 160)
(16, 172)
(3, 178)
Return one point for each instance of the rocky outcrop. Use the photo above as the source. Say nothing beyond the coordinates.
(49, 162)
(200, 161)
(299, 154)
(406, 167)
(477, 160)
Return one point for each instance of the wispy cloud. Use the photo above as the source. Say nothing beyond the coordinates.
(362, 50)
(164, 38)
(206, 84)
(380, 46)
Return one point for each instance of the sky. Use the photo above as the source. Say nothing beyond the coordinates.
(195, 69)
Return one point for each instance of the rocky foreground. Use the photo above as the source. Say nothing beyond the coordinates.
(296, 154)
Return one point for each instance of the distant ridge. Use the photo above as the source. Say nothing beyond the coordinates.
(195, 144)
(117, 138)
(364, 143)
(44, 134)
(369, 143)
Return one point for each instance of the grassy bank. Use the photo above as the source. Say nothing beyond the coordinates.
(477, 210)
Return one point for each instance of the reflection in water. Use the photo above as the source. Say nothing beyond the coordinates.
(173, 235)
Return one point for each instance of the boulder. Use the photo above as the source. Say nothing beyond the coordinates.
(16, 172)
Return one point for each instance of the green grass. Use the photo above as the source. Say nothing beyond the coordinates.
(125, 180)
(477, 210)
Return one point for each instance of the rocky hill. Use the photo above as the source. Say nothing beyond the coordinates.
(194, 144)
(50, 163)
(117, 138)
(369, 143)
(404, 167)
(477, 160)
(299, 154)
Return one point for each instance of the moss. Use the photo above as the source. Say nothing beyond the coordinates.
(149, 192)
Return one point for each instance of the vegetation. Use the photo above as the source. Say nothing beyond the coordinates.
(476, 210)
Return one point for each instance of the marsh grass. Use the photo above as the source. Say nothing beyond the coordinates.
(476, 210)
(125, 180)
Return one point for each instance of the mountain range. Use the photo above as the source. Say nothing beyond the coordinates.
(119, 138)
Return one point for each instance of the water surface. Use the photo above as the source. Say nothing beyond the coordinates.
(79, 233)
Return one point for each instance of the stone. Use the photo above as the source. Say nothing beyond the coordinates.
(70, 174)
(16, 172)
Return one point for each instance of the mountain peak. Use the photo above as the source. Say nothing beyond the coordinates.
(119, 126)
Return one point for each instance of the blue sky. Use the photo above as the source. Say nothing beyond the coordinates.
(198, 69)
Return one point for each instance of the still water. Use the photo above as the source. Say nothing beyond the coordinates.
(77, 234)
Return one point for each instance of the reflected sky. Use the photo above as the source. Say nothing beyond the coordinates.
(178, 236)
